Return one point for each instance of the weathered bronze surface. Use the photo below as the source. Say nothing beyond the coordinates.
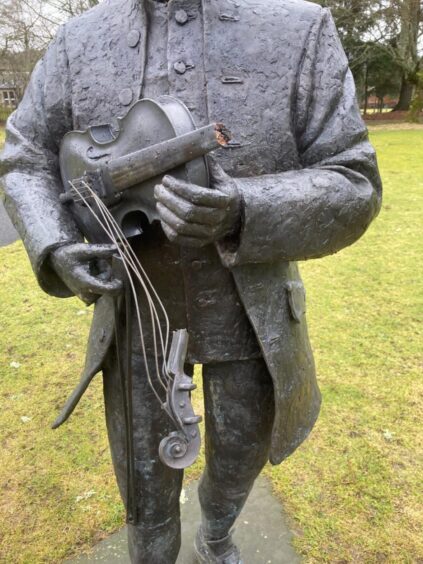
(153, 138)
(298, 181)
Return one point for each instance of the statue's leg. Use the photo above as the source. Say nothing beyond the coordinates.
(155, 539)
(239, 413)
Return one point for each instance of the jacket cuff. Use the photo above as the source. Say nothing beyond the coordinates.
(247, 245)
(47, 277)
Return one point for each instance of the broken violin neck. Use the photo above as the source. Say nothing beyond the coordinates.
(137, 167)
(121, 164)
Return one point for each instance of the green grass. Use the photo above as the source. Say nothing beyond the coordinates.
(352, 491)
(4, 114)
(43, 472)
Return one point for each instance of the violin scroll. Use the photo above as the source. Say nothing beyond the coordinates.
(180, 448)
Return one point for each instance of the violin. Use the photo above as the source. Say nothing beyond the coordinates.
(109, 174)
(123, 164)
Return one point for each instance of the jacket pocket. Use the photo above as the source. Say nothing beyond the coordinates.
(296, 299)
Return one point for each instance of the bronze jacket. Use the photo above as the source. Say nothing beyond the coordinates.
(276, 74)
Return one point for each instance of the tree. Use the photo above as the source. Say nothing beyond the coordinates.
(23, 36)
(410, 15)
(355, 20)
(26, 27)
(69, 8)
(390, 26)
(384, 76)
(416, 106)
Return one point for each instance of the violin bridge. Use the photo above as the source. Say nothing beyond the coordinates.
(83, 189)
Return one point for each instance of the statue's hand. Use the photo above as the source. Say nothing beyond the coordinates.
(86, 270)
(194, 216)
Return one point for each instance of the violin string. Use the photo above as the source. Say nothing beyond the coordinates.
(119, 246)
(80, 200)
(164, 342)
(136, 267)
(107, 229)
(99, 202)
(139, 266)
(81, 190)
(121, 242)
(150, 303)
(140, 273)
(93, 195)
(119, 237)
(111, 222)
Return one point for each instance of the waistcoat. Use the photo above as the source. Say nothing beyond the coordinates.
(197, 291)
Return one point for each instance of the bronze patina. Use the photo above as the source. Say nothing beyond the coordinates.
(298, 181)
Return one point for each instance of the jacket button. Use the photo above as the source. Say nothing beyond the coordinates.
(126, 96)
(134, 37)
(181, 17)
(180, 67)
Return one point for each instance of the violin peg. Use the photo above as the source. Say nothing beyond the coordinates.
(192, 420)
(187, 387)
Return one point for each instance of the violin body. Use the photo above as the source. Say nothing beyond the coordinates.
(122, 165)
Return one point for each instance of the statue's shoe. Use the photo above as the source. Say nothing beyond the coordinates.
(222, 551)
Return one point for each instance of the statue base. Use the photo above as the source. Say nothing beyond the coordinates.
(261, 532)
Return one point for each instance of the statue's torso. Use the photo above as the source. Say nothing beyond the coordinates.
(253, 51)
(197, 291)
(234, 62)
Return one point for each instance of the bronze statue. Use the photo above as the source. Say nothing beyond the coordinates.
(297, 180)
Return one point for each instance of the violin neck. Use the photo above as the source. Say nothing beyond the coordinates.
(178, 352)
(137, 167)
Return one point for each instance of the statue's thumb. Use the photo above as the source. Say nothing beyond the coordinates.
(217, 174)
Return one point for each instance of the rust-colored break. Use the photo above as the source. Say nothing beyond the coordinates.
(223, 135)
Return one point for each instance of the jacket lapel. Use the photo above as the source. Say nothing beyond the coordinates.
(114, 36)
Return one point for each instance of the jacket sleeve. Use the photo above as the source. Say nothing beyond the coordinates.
(29, 167)
(329, 202)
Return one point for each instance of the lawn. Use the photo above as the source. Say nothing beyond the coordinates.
(352, 491)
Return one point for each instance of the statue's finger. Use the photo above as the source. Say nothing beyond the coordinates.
(217, 174)
(182, 240)
(183, 227)
(89, 283)
(90, 251)
(179, 205)
(188, 211)
(196, 194)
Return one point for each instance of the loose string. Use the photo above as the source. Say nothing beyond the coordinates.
(132, 264)
(120, 240)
